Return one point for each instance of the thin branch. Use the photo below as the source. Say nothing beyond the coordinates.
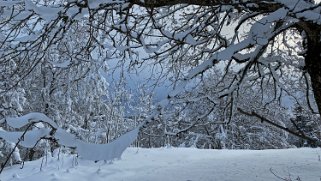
(263, 119)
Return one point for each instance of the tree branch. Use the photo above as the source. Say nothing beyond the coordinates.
(263, 119)
(264, 5)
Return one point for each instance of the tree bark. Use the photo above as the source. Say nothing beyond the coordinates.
(313, 59)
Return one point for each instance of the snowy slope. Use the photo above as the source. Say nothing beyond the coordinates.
(181, 164)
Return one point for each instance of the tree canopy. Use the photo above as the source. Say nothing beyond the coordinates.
(189, 35)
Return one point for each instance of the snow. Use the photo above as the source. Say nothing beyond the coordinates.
(16, 153)
(31, 117)
(304, 10)
(27, 38)
(30, 138)
(96, 3)
(109, 151)
(47, 13)
(64, 64)
(87, 151)
(178, 164)
(9, 3)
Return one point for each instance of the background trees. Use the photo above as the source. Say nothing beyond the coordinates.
(226, 60)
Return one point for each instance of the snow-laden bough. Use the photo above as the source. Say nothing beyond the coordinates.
(88, 151)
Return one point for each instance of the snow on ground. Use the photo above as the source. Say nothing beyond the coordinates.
(178, 164)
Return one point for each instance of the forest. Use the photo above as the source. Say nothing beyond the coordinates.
(93, 77)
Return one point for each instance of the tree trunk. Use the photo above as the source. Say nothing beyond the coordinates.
(313, 59)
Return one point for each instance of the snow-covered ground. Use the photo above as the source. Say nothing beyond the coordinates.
(179, 164)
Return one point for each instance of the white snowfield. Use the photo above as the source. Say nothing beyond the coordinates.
(178, 164)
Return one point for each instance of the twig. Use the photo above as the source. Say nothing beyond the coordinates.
(10, 154)
(279, 176)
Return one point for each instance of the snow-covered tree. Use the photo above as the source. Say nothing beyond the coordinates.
(305, 123)
(192, 36)
(258, 44)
